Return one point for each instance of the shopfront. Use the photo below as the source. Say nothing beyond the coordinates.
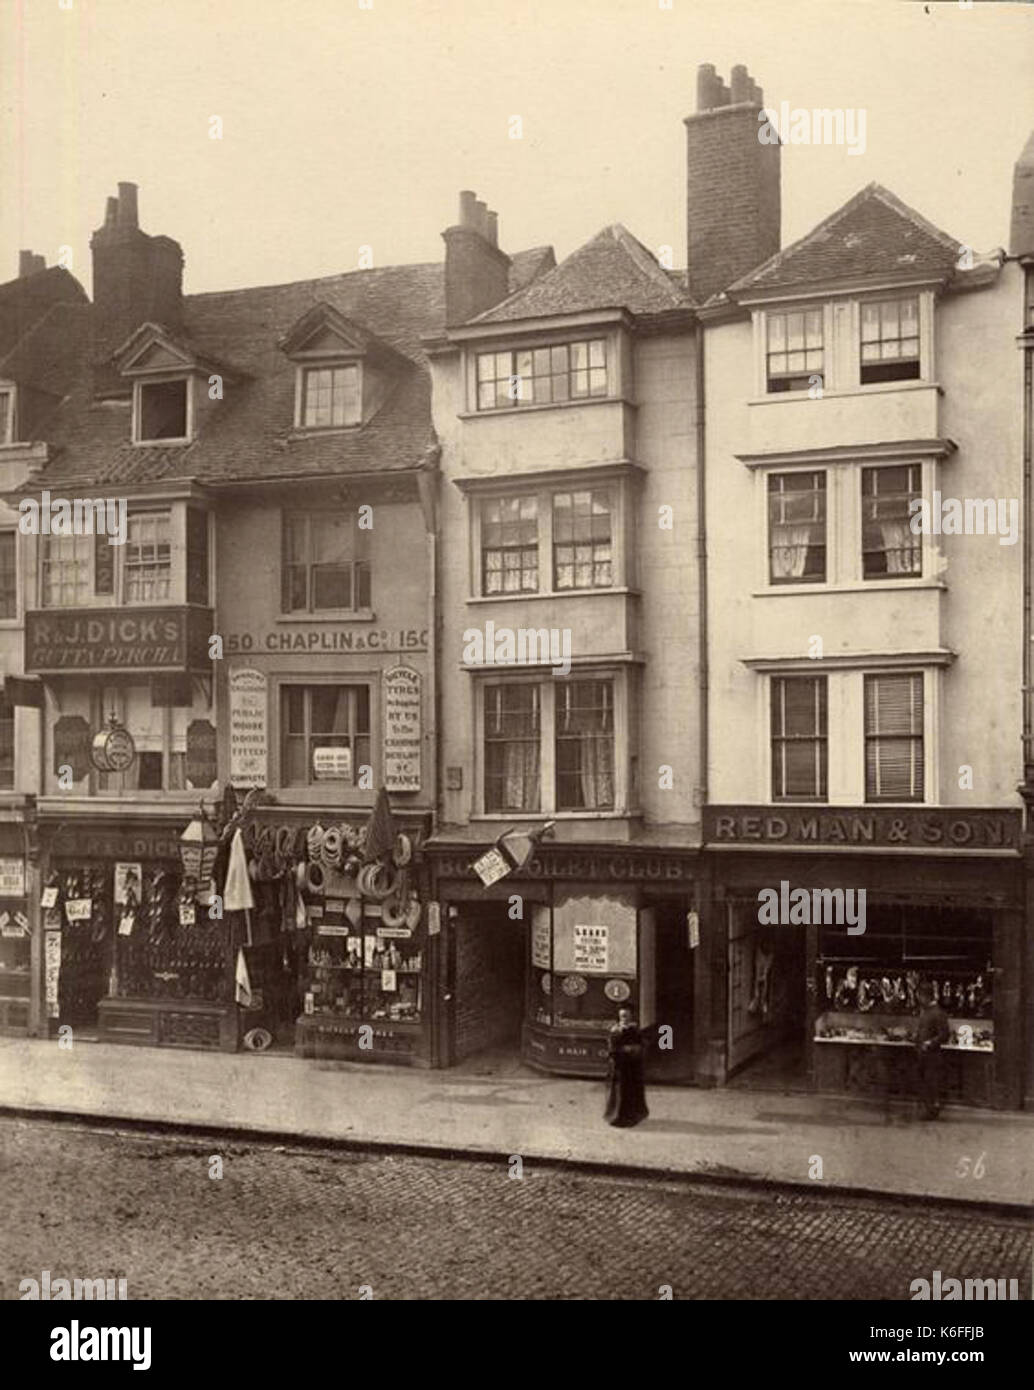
(822, 990)
(18, 948)
(537, 964)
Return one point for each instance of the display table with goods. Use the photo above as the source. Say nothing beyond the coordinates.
(363, 960)
(865, 1040)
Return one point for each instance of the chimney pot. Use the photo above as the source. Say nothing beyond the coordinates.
(127, 206)
(707, 87)
(740, 84)
(468, 211)
(481, 218)
(111, 212)
(493, 228)
(39, 263)
(26, 264)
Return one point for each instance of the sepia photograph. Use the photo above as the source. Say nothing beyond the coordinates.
(507, 790)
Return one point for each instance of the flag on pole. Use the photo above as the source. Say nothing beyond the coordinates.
(380, 829)
(237, 896)
(243, 980)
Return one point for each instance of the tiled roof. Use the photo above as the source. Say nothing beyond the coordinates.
(613, 270)
(250, 433)
(23, 302)
(875, 233)
(49, 355)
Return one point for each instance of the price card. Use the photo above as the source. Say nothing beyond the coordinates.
(126, 924)
(79, 909)
(388, 981)
(49, 898)
(188, 914)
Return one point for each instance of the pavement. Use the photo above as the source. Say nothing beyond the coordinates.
(797, 1138)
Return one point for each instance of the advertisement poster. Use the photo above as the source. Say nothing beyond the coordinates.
(540, 937)
(590, 948)
(249, 725)
(403, 729)
(52, 970)
(12, 878)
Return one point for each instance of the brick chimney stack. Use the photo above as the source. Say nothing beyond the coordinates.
(477, 273)
(732, 182)
(1021, 232)
(29, 264)
(136, 279)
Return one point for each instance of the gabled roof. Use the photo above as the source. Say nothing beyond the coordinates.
(613, 270)
(873, 234)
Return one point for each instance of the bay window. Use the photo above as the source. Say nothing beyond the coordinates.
(551, 541)
(548, 375)
(550, 745)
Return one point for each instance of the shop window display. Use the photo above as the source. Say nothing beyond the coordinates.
(870, 993)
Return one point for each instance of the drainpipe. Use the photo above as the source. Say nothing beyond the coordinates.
(702, 660)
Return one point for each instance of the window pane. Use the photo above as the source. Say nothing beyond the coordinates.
(512, 747)
(798, 726)
(585, 745)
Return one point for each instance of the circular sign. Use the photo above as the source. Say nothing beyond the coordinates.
(573, 986)
(617, 991)
(113, 749)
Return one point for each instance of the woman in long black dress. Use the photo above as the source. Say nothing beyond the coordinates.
(626, 1094)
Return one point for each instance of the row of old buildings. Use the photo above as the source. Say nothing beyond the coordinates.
(696, 488)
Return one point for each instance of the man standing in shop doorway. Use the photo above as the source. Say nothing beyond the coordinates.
(931, 1033)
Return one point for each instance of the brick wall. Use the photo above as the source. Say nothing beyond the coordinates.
(489, 988)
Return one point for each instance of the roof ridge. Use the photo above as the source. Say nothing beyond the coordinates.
(317, 279)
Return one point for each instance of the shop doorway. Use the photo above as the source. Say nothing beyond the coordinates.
(767, 1003)
(673, 996)
(486, 985)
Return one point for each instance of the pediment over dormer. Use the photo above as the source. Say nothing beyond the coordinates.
(151, 350)
(323, 333)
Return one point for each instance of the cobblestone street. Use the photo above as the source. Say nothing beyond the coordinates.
(308, 1223)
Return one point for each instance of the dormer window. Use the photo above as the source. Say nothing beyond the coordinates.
(331, 397)
(890, 340)
(7, 402)
(343, 372)
(162, 411)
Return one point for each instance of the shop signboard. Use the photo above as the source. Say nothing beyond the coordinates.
(403, 729)
(141, 641)
(490, 867)
(249, 725)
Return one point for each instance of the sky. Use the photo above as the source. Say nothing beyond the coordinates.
(355, 123)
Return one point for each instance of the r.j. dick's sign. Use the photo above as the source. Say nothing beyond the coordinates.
(140, 639)
(862, 827)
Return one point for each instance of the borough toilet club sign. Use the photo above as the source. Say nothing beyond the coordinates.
(142, 640)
